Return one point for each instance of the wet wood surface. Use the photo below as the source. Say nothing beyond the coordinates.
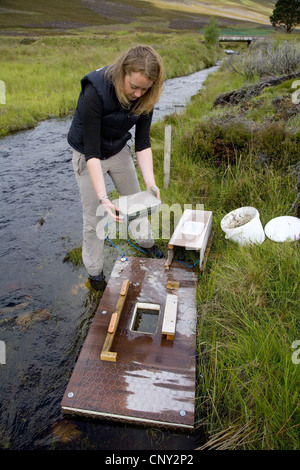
(153, 379)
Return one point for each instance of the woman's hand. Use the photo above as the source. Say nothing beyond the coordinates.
(154, 190)
(145, 161)
(111, 209)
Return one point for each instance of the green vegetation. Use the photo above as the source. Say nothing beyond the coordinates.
(42, 75)
(244, 153)
(74, 256)
(211, 32)
(248, 297)
(247, 380)
(286, 15)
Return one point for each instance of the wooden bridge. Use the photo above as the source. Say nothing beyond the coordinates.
(247, 39)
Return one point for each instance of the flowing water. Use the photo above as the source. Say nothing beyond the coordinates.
(46, 306)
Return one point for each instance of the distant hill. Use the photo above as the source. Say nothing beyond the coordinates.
(245, 10)
(158, 15)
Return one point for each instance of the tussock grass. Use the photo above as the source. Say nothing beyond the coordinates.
(74, 256)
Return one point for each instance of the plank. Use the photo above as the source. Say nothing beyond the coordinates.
(106, 354)
(170, 314)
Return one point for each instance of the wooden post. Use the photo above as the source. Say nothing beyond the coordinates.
(167, 156)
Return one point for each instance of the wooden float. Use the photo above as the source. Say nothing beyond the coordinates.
(138, 363)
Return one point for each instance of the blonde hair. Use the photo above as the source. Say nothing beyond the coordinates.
(141, 59)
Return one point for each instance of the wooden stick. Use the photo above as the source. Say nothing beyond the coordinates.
(167, 156)
(170, 314)
(206, 253)
(170, 256)
(106, 354)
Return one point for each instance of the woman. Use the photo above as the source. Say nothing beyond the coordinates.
(112, 100)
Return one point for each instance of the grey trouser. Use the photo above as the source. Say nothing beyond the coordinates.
(120, 168)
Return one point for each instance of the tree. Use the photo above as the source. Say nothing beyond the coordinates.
(286, 15)
(211, 32)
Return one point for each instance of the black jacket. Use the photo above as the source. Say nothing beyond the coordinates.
(116, 121)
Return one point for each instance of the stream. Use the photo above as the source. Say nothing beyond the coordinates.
(46, 307)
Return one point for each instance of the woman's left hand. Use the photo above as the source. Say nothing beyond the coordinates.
(155, 190)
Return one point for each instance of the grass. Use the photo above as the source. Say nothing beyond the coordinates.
(42, 78)
(74, 256)
(248, 297)
(248, 381)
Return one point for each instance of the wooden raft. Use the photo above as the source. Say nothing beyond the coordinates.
(151, 380)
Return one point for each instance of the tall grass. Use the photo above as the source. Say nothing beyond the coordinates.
(249, 382)
(42, 78)
(248, 297)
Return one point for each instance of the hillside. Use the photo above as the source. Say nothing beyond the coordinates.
(159, 15)
(247, 10)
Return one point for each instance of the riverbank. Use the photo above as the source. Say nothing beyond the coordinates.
(42, 74)
(225, 157)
